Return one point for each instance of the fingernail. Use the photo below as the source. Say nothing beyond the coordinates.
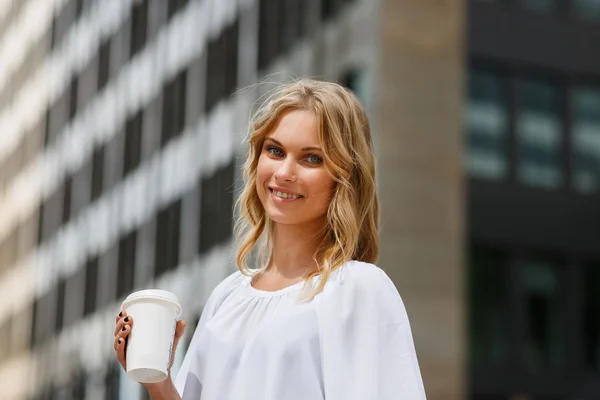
(121, 314)
(126, 319)
(123, 329)
(120, 341)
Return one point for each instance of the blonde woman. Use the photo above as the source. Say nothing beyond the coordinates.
(317, 320)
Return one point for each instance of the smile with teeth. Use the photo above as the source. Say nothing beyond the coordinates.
(283, 195)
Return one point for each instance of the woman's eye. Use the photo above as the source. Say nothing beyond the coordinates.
(275, 151)
(314, 159)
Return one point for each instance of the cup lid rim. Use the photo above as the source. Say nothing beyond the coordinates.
(156, 294)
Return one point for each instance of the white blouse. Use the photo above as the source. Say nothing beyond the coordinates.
(352, 342)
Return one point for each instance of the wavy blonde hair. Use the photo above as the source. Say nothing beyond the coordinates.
(351, 231)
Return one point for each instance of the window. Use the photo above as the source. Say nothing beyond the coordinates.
(488, 307)
(78, 386)
(591, 312)
(111, 382)
(139, 25)
(543, 6)
(287, 11)
(222, 66)
(230, 39)
(5, 338)
(73, 98)
(216, 207)
(66, 215)
(355, 81)
(103, 64)
(586, 9)
(9, 251)
(167, 238)
(541, 285)
(539, 134)
(133, 139)
(586, 139)
(328, 8)
(269, 40)
(91, 279)
(126, 268)
(173, 6)
(74, 297)
(47, 128)
(60, 305)
(45, 318)
(173, 120)
(487, 125)
(97, 172)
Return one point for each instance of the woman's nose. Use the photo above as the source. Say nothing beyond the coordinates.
(286, 171)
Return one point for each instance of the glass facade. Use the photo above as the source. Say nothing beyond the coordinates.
(586, 139)
(540, 134)
(486, 125)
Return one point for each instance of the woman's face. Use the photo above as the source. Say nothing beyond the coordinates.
(293, 184)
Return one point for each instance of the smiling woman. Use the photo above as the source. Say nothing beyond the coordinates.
(315, 318)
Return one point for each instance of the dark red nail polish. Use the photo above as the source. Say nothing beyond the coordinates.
(123, 329)
(126, 319)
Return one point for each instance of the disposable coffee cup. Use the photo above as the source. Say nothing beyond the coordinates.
(155, 314)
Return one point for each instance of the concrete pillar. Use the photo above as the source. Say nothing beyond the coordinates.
(419, 109)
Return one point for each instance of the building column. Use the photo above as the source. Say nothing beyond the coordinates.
(418, 121)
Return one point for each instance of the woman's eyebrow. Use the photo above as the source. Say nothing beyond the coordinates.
(304, 149)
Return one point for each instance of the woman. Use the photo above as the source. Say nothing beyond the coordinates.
(316, 320)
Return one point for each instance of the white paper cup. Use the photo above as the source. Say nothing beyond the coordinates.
(155, 314)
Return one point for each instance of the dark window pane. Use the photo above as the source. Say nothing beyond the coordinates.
(231, 37)
(111, 383)
(34, 323)
(5, 338)
(543, 6)
(97, 173)
(103, 64)
(139, 23)
(488, 307)
(91, 279)
(174, 6)
(67, 200)
(586, 9)
(173, 120)
(126, 268)
(541, 285)
(487, 126)
(133, 139)
(47, 128)
(73, 98)
(586, 139)
(216, 207)
(539, 134)
(60, 305)
(327, 8)
(215, 73)
(269, 40)
(226, 189)
(167, 238)
(591, 315)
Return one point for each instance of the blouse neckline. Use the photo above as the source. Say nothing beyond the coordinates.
(271, 293)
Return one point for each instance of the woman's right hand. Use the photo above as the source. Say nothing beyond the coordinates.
(124, 323)
(123, 327)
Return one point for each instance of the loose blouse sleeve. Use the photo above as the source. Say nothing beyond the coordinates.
(366, 341)
(187, 379)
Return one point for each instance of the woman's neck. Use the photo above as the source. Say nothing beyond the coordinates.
(293, 250)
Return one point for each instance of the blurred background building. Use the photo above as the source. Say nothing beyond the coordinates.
(121, 140)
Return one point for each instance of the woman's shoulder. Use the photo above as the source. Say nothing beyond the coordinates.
(361, 273)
